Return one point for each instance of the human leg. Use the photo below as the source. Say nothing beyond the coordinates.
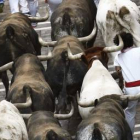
(1, 1)
(53, 4)
(33, 7)
(24, 6)
(14, 7)
(130, 113)
(1, 6)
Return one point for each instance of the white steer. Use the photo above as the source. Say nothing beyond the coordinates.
(12, 126)
(97, 83)
(115, 16)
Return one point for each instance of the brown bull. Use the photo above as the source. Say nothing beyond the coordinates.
(100, 53)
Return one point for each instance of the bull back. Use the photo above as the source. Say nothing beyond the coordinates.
(107, 121)
(73, 18)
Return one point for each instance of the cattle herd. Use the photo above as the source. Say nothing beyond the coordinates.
(76, 81)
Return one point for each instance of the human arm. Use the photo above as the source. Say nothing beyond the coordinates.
(119, 72)
(115, 74)
(118, 69)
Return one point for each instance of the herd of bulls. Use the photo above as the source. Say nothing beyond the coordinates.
(76, 78)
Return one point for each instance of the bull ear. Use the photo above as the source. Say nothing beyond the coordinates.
(10, 32)
(51, 135)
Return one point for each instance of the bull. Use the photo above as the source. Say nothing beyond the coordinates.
(66, 78)
(116, 16)
(93, 53)
(49, 127)
(74, 18)
(101, 82)
(29, 90)
(17, 37)
(101, 53)
(107, 121)
(63, 74)
(12, 125)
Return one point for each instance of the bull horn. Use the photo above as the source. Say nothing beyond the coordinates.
(6, 66)
(71, 56)
(26, 116)
(65, 116)
(89, 104)
(115, 48)
(130, 97)
(40, 19)
(45, 44)
(89, 37)
(82, 39)
(28, 102)
(45, 57)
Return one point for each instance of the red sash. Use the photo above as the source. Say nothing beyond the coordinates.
(132, 84)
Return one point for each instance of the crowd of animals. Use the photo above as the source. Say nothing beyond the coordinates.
(76, 78)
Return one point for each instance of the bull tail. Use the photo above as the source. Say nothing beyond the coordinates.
(27, 91)
(51, 135)
(66, 22)
(62, 99)
(96, 135)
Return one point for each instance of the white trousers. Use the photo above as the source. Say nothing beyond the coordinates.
(14, 6)
(130, 111)
(25, 6)
(53, 4)
(33, 7)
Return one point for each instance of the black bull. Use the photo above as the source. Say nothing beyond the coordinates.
(73, 17)
(65, 76)
(28, 81)
(16, 38)
(106, 122)
(43, 126)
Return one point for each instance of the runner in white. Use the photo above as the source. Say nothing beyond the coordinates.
(128, 61)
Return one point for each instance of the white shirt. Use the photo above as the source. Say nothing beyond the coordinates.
(129, 61)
